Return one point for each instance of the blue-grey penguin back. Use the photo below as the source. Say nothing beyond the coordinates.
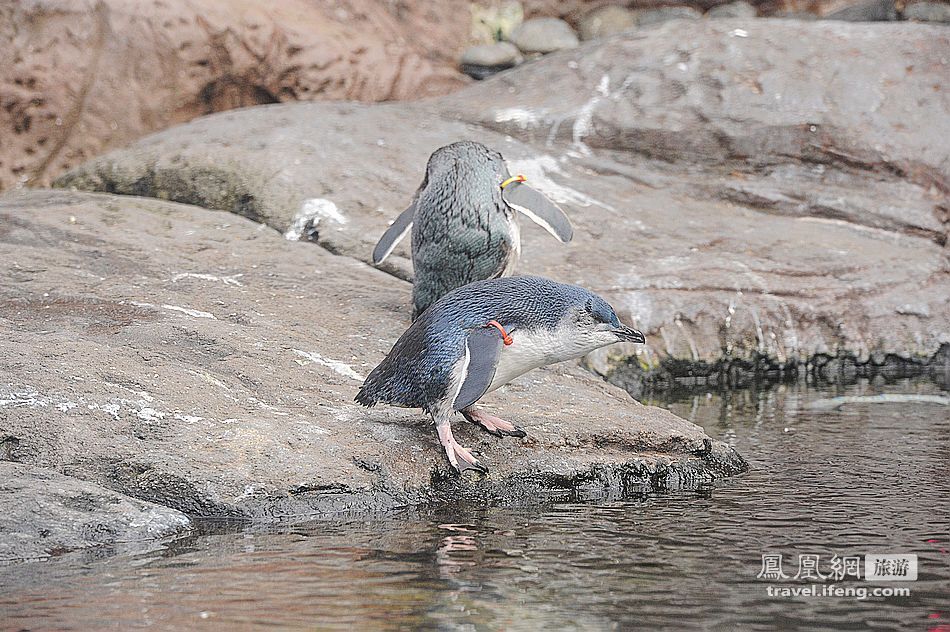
(417, 371)
(462, 230)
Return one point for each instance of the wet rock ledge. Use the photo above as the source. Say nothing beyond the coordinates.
(46, 513)
(198, 360)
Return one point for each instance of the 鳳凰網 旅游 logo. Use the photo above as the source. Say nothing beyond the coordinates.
(812, 575)
(882, 567)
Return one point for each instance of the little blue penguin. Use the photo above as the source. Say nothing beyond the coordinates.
(481, 336)
(463, 221)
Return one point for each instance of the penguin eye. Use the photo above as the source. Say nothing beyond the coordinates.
(586, 316)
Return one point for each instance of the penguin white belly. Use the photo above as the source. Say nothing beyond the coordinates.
(515, 235)
(531, 349)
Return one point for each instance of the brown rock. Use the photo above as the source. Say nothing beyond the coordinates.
(740, 9)
(736, 199)
(543, 35)
(649, 17)
(201, 361)
(606, 21)
(45, 513)
(846, 10)
(485, 60)
(82, 76)
(927, 12)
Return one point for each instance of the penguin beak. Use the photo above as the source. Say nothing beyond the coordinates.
(629, 334)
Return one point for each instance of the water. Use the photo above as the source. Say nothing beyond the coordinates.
(868, 478)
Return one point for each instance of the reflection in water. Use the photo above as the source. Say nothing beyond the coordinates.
(861, 479)
(447, 556)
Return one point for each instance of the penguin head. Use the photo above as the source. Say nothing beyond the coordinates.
(467, 161)
(594, 323)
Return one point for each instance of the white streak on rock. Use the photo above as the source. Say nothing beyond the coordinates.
(583, 122)
(66, 406)
(537, 169)
(521, 117)
(27, 398)
(150, 414)
(196, 313)
(339, 367)
(188, 419)
(227, 280)
(311, 212)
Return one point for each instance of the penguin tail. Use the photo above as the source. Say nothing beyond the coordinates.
(365, 398)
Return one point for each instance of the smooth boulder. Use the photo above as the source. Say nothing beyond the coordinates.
(543, 35)
(605, 21)
(732, 216)
(45, 514)
(739, 9)
(201, 361)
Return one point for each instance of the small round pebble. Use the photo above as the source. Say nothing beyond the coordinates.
(544, 35)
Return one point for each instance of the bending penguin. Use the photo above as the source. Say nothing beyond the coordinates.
(463, 221)
(480, 337)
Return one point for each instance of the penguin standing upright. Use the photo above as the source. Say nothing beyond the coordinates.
(463, 221)
(480, 337)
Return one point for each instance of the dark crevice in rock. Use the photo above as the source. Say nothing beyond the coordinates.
(795, 206)
(208, 187)
(8, 448)
(677, 377)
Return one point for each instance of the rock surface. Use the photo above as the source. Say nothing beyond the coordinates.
(201, 361)
(45, 513)
(733, 10)
(485, 60)
(82, 76)
(649, 17)
(860, 11)
(927, 12)
(605, 21)
(497, 54)
(544, 35)
(736, 199)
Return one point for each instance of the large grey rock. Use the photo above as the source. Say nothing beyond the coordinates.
(735, 198)
(201, 361)
(496, 54)
(927, 12)
(543, 35)
(605, 21)
(485, 60)
(757, 92)
(43, 513)
(739, 9)
(861, 11)
(649, 17)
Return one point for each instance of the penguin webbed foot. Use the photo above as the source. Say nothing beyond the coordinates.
(460, 457)
(462, 467)
(492, 424)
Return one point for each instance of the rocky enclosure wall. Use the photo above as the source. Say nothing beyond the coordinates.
(757, 191)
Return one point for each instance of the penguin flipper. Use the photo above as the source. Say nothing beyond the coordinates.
(482, 350)
(539, 210)
(394, 234)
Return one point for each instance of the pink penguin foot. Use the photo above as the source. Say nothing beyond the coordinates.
(495, 425)
(460, 458)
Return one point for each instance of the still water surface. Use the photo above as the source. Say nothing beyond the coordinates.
(866, 478)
